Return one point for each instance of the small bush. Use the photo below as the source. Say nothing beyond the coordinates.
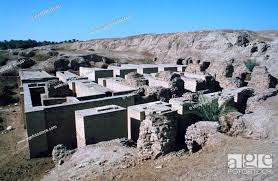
(41, 57)
(147, 61)
(210, 110)
(250, 64)
(3, 58)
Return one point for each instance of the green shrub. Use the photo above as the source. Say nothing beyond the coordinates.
(209, 109)
(250, 64)
(147, 61)
(41, 57)
(3, 58)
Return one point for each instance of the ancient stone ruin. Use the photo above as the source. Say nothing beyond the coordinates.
(162, 107)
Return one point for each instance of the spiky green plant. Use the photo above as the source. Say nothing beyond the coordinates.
(250, 64)
(210, 110)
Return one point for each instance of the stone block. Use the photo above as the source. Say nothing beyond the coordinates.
(137, 113)
(100, 124)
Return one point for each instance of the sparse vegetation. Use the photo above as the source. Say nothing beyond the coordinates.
(7, 93)
(3, 58)
(250, 64)
(210, 110)
(147, 61)
(41, 57)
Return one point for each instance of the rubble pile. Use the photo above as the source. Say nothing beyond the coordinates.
(157, 136)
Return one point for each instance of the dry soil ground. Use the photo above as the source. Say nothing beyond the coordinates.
(209, 164)
(13, 162)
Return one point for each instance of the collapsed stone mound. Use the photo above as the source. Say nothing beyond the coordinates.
(261, 80)
(155, 93)
(197, 67)
(60, 153)
(227, 121)
(242, 40)
(177, 87)
(175, 82)
(135, 80)
(190, 96)
(166, 76)
(259, 98)
(58, 88)
(229, 74)
(201, 133)
(157, 136)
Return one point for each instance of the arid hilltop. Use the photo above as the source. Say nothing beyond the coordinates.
(220, 45)
(214, 45)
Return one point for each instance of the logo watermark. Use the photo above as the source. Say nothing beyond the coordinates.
(46, 11)
(249, 163)
(109, 25)
(38, 134)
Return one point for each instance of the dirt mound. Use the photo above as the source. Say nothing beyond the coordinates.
(95, 160)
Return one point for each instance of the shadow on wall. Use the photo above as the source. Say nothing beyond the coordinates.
(184, 121)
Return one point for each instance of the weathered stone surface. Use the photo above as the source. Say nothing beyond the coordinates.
(198, 134)
(155, 93)
(204, 65)
(135, 80)
(157, 136)
(60, 152)
(242, 40)
(177, 87)
(238, 127)
(99, 65)
(176, 83)
(261, 80)
(256, 100)
(241, 71)
(231, 83)
(264, 47)
(58, 89)
(240, 96)
(194, 68)
(254, 49)
(228, 74)
(188, 96)
(226, 121)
